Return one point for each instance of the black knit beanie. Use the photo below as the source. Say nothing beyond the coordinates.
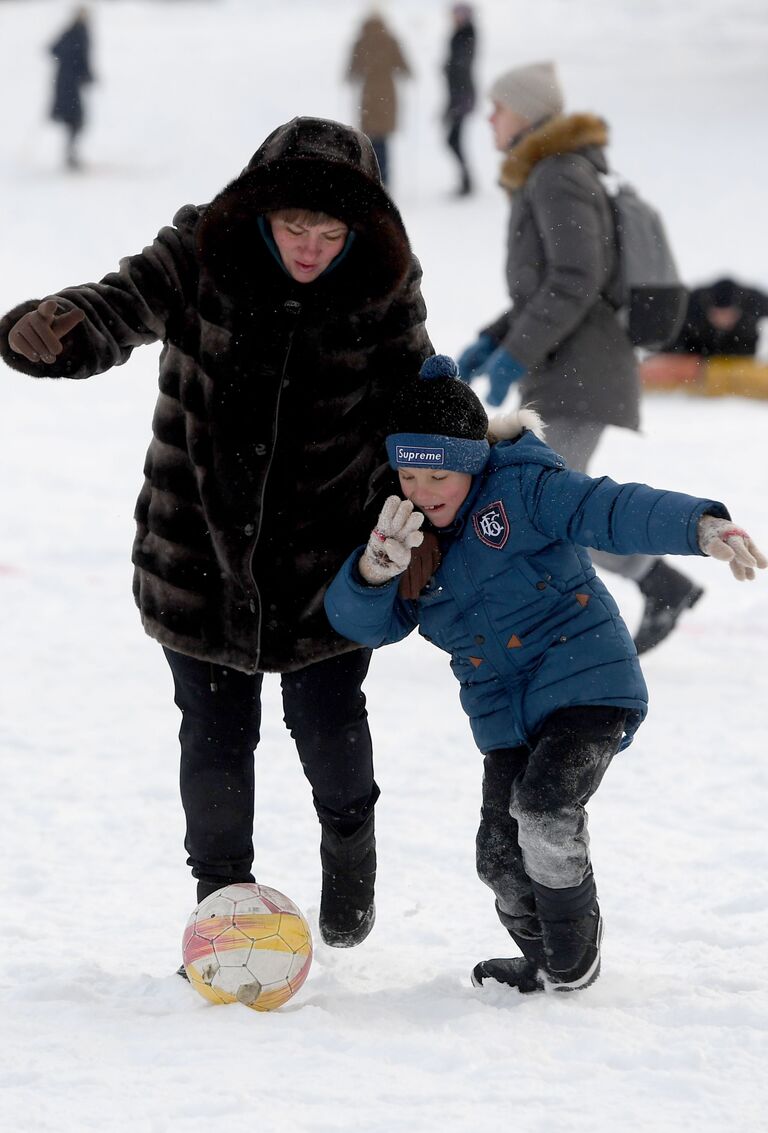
(437, 421)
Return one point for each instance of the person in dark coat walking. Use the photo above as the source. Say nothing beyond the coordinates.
(549, 676)
(561, 339)
(460, 82)
(72, 52)
(291, 312)
(723, 319)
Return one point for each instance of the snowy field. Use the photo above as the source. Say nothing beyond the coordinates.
(97, 1032)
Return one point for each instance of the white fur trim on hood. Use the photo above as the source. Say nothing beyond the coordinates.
(506, 426)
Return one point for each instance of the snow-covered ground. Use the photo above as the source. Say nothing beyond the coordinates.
(97, 1033)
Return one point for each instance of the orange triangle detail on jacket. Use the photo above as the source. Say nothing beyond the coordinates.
(514, 642)
(582, 599)
(476, 661)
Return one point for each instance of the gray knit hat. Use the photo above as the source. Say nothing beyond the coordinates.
(532, 91)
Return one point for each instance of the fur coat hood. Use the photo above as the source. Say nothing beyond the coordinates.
(561, 134)
(304, 164)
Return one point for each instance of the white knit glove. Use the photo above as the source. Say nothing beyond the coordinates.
(389, 548)
(723, 540)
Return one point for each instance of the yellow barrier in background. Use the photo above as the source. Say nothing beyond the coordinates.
(705, 377)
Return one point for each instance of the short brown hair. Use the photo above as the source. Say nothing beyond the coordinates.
(305, 216)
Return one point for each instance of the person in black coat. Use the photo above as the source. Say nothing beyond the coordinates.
(290, 312)
(722, 320)
(461, 88)
(72, 51)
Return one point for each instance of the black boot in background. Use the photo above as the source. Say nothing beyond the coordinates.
(347, 911)
(667, 595)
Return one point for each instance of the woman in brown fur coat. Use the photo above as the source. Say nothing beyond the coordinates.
(290, 312)
(375, 62)
(561, 339)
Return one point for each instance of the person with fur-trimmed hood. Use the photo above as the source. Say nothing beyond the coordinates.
(561, 340)
(290, 312)
(549, 675)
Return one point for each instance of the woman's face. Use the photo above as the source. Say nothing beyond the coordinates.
(437, 493)
(506, 125)
(307, 249)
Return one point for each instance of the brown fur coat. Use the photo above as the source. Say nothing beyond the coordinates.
(268, 428)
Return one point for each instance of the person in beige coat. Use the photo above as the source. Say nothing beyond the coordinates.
(375, 61)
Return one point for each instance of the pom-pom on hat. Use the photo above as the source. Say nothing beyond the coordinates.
(438, 422)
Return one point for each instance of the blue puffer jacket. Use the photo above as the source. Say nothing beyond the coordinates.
(516, 602)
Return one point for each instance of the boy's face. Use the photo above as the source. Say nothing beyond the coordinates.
(437, 493)
(307, 249)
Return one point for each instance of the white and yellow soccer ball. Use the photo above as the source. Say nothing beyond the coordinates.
(247, 944)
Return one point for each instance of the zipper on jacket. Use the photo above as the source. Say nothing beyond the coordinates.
(292, 308)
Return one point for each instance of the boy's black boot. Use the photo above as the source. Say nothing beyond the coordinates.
(347, 910)
(572, 951)
(668, 594)
(521, 972)
(571, 929)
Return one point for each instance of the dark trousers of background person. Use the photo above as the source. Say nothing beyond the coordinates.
(325, 713)
(454, 142)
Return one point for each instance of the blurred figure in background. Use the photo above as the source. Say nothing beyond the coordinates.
(72, 52)
(723, 318)
(561, 338)
(375, 61)
(461, 87)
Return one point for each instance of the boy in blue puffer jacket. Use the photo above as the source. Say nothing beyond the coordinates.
(549, 675)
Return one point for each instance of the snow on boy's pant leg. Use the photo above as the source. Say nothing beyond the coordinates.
(563, 771)
(499, 858)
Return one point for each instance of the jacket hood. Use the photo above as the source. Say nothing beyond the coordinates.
(518, 438)
(561, 134)
(321, 166)
(508, 426)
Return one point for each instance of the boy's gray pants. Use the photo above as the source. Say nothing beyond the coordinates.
(533, 824)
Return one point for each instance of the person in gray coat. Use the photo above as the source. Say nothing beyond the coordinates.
(561, 339)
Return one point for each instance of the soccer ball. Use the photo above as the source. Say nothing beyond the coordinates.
(248, 944)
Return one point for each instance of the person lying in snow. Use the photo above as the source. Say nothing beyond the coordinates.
(549, 674)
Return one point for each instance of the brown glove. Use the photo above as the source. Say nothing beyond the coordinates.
(38, 334)
(424, 562)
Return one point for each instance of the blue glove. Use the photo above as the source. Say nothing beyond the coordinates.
(472, 360)
(503, 371)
